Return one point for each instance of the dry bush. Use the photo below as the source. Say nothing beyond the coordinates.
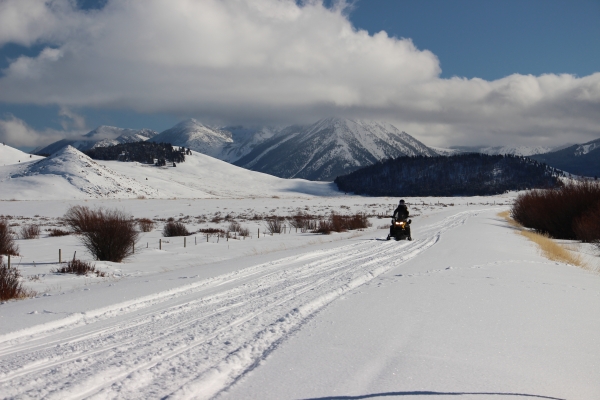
(244, 232)
(58, 232)
(587, 227)
(212, 231)
(305, 222)
(145, 224)
(274, 225)
(10, 283)
(175, 229)
(79, 267)
(342, 223)
(234, 226)
(109, 235)
(554, 211)
(7, 243)
(30, 232)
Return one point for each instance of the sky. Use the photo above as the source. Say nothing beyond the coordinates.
(459, 72)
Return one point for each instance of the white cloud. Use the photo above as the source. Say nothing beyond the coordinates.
(276, 61)
(17, 133)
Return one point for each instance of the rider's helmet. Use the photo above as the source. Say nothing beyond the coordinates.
(401, 202)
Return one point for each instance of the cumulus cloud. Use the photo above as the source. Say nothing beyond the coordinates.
(275, 61)
(16, 132)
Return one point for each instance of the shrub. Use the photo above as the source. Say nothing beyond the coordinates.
(554, 211)
(58, 232)
(342, 223)
(109, 235)
(30, 232)
(79, 267)
(172, 228)
(234, 226)
(304, 222)
(145, 224)
(244, 232)
(10, 283)
(7, 243)
(274, 225)
(587, 227)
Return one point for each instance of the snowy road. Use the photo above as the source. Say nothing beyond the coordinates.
(197, 340)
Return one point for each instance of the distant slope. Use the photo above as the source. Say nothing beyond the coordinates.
(67, 174)
(70, 174)
(102, 136)
(198, 137)
(330, 147)
(579, 159)
(459, 175)
(504, 150)
(10, 155)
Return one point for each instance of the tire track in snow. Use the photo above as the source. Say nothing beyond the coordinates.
(191, 342)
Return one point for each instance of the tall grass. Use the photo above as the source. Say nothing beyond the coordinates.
(109, 235)
(549, 248)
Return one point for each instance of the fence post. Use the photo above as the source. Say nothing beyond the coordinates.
(9, 261)
(160, 244)
(228, 236)
(207, 238)
(60, 256)
(259, 233)
(184, 241)
(133, 248)
(74, 254)
(195, 240)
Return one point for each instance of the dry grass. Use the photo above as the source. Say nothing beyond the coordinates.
(549, 248)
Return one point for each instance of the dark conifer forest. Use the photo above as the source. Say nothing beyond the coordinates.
(459, 175)
(144, 152)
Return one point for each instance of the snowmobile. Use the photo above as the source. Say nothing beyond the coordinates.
(399, 230)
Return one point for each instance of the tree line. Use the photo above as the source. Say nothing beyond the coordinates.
(470, 174)
(144, 152)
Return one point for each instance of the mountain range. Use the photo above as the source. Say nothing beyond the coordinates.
(579, 159)
(321, 151)
(102, 136)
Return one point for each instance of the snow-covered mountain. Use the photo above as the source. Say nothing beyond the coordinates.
(67, 174)
(505, 150)
(579, 159)
(196, 136)
(102, 136)
(9, 155)
(244, 141)
(330, 147)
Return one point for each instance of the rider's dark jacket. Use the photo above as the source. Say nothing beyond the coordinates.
(401, 213)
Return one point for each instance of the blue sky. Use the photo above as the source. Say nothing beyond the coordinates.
(486, 40)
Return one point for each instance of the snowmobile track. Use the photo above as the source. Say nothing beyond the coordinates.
(199, 339)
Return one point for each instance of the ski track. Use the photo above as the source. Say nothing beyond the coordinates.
(199, 339)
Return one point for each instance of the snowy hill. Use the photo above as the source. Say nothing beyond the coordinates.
(10, 155)
(196, 136)
(504, 150)
(330, 147)
(70, 174)
(102, 136)
(579, 159)
(67, 174)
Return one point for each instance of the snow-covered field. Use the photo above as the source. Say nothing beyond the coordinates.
(467, 310)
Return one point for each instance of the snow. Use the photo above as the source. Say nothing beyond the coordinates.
(70, 174)
(512, 150)
(10, 155)
(587, 147)
(468, 309)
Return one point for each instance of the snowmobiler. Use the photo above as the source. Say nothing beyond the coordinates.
(400, 228)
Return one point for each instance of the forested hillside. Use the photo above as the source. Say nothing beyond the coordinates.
(144, 152)
(458, 175)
